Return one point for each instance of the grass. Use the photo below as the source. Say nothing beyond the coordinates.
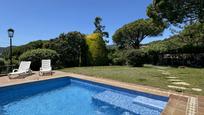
(147, 75)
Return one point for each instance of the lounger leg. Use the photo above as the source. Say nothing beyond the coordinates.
(40, 73)
(9, 76)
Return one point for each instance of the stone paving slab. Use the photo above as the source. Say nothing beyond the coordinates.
(181, 83)
(160, 70)
(171, 77)
(176, 87)
(197, 89)
(166, 73)
(175, 80)
(176, 105)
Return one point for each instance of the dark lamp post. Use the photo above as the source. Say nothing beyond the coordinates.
(10, 35)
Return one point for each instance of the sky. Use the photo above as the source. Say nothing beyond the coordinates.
(46, 19)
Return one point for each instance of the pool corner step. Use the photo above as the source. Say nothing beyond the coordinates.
(124, 102)
(149, 102)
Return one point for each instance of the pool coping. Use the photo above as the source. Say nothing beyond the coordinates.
(178, 104)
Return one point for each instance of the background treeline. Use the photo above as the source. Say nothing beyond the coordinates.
(67, 50)
(77, 49)
(185, 48)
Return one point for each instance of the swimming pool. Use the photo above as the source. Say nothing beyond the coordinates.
(72, 96)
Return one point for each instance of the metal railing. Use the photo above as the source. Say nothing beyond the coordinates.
(4, 70)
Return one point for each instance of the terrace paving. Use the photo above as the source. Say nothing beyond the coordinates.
(178, 104)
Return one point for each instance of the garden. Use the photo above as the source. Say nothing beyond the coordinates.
(162, 63)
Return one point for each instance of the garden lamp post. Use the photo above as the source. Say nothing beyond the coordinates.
(10, 35)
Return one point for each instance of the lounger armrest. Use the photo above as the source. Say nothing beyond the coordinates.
(15, 70)
(50, 68)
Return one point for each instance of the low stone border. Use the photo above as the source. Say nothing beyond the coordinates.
(192, 106)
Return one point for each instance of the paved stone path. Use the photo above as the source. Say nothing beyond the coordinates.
(176, 82)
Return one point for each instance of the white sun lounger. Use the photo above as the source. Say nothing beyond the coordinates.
(24, 69)
(45, 67)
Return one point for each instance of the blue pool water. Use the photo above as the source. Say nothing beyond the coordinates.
(71, 96)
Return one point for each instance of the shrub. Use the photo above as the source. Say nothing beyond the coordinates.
(97, 52)
(119, 57)
(2, 62)
(18, 50)
(110, 55)
(135, 58)
(36, 55)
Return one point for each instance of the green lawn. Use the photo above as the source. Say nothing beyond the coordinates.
(147, 75)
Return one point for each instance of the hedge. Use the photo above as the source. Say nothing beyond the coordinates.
(136, 58)
(2, 62)
(36, 55)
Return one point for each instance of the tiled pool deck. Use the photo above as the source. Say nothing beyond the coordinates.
(179, 104)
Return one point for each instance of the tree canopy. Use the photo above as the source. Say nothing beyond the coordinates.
(177, 11)
(190, 40)
(71, 48)
(131, 35)
(193, 34)
(100, 28)
(97, 52)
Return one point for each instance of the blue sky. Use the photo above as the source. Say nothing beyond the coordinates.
(45, 19)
